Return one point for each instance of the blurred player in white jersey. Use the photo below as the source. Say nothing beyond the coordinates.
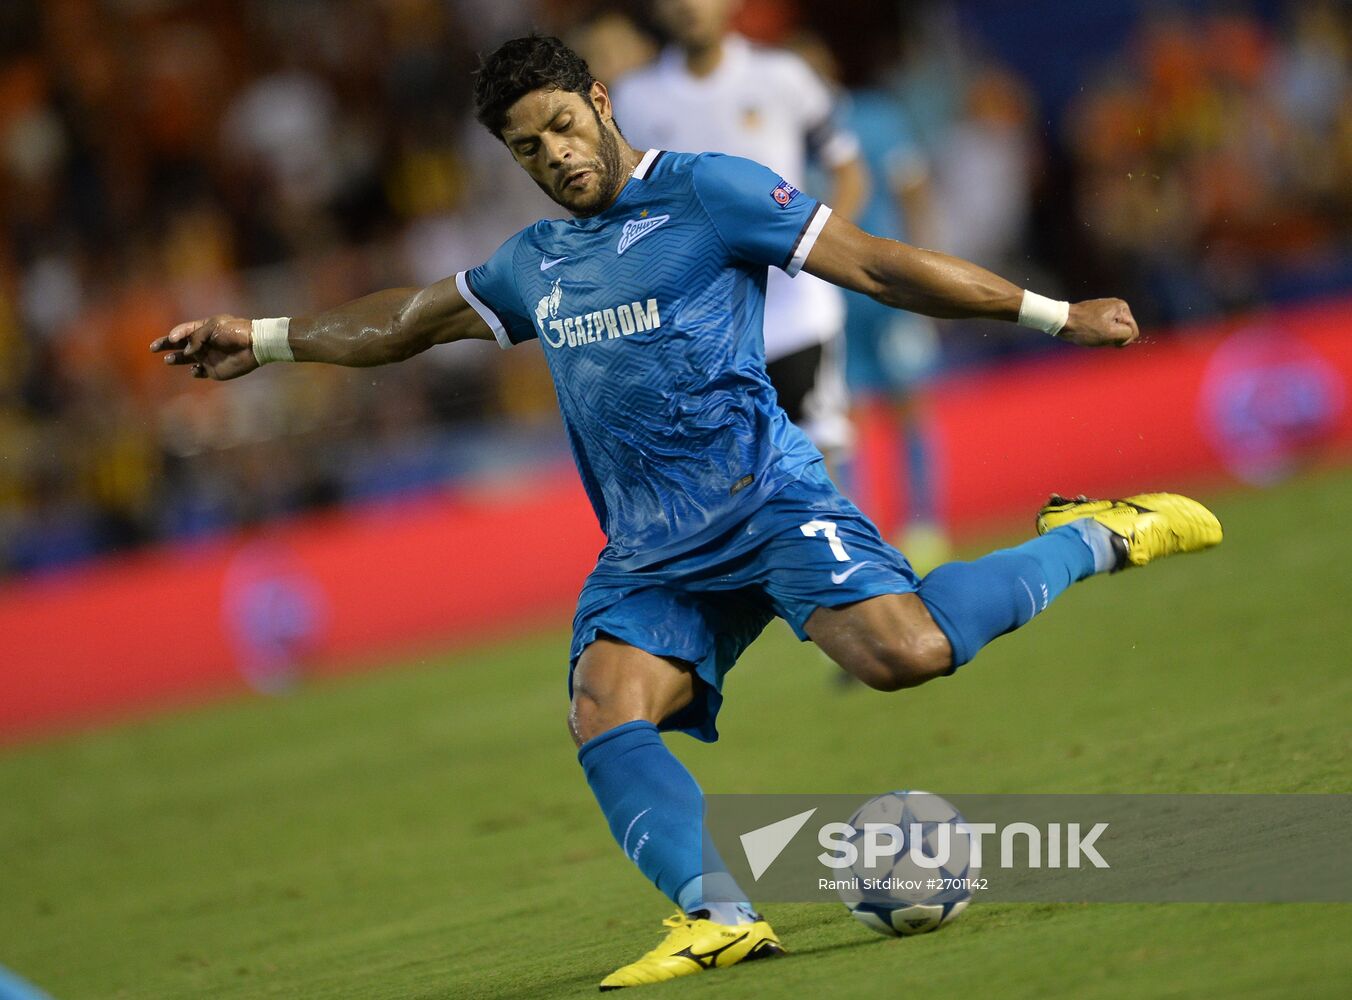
(712, 90)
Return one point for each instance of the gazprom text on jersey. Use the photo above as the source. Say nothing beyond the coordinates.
(602, 324)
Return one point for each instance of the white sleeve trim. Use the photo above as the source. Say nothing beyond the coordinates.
(645, 164)
(484, 310)
(809, 238)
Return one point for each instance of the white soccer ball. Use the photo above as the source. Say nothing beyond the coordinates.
(896, 894)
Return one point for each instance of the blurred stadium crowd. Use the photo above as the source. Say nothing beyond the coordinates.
(165, 159)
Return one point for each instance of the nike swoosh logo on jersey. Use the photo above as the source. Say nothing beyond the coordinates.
(839, 578)
(545, 265)
(635, 229)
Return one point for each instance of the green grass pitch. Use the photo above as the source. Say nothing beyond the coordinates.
(425, 832)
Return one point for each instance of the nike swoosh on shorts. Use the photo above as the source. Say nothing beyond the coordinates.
(839, 578)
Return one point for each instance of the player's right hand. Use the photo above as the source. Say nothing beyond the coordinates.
(219, 347)
(1100, 323)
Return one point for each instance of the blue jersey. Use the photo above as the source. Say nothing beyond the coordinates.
(890, 150)
(650, 318)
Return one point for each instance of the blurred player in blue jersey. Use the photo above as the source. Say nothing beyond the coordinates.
(648, 306)
(890, 353)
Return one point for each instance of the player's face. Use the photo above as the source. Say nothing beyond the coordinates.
(694, 23)
(569, 147)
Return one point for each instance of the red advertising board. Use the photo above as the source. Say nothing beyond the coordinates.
(184, 623)
(1249, 400)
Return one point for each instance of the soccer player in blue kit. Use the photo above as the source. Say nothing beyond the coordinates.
(718, 515)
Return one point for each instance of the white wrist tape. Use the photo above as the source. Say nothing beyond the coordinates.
(1041, 313)
(270, 340)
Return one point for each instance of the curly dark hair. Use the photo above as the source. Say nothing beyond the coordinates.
(521, 65)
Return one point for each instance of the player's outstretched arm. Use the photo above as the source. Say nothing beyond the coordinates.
(377, 329)
(935, 284)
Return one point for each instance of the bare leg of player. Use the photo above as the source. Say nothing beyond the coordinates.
(888, 642)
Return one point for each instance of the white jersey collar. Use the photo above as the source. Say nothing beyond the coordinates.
(646, 164)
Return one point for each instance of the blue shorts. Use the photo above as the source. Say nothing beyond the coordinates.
(806, 548)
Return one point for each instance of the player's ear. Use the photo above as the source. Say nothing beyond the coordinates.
(600, 98)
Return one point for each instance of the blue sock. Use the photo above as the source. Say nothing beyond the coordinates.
(845, 472)
(656, 814)
(974, 602)
(918, 461)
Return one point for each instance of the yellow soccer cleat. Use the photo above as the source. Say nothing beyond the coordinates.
(696, 944)
(1145, 527)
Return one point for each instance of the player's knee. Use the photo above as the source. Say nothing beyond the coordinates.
(588, 716)
(595, 710)
(615, 683)
(908, 660)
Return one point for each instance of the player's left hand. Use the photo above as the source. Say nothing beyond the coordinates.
(220, 347)
(1099, 323)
